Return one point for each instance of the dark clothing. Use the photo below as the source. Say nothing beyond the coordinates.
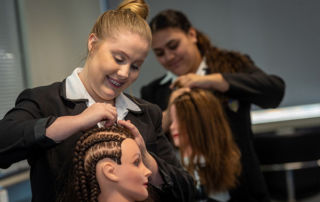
(252, 86)
(22, 136)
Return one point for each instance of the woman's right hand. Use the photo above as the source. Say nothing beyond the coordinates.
(64, 126)
(98, 112)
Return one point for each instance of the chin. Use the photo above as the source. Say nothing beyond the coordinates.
(142, 196)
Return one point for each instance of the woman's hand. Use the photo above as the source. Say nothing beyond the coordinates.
(150, 162)
(98, 112)
(210, 81)
(64, 126)
(137, 136)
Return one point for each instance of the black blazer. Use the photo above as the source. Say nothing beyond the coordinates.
(246, 88)
(22, 136)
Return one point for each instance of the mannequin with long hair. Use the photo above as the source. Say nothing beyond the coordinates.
(201, 132)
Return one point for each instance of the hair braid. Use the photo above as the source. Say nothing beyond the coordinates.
(94, 145)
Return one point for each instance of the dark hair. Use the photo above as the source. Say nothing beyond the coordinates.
(218, 60)
(95, 145)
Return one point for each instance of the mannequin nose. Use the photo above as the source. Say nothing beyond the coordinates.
(147, 171)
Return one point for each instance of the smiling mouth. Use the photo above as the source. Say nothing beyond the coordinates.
(174, 63)
(114, 82)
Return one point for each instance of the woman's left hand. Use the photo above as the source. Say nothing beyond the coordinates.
(210, 81)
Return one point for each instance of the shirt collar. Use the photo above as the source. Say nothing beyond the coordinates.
(75, 90)
(172, 77)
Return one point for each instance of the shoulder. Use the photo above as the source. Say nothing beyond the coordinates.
(145, 106)
(42, 92)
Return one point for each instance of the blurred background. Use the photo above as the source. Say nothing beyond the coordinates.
(42, 41)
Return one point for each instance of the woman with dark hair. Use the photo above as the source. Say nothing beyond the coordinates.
(201, 131)
(46, 121)
(192, 61)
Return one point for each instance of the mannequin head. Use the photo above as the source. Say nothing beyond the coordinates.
(108, 166)
(200, 129)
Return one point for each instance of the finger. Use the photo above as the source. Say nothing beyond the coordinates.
(130, 126)
(109, 123)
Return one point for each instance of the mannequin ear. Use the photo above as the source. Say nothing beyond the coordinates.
(92, 40)
(192, 33)
(109, 171)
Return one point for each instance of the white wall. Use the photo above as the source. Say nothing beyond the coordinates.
(55, 36)
(281, 36)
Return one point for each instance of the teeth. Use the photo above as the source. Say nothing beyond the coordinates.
(115, 83)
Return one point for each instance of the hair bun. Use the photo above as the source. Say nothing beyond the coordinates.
(138, 7)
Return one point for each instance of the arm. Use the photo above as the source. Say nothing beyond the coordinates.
(252, 86)
(256, 87)
(28, 127)
(22, 130)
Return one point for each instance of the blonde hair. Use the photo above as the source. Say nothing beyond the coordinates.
(204, 127)
(129, 16)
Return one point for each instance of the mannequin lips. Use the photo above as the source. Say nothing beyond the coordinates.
(115, 83)
(176, 135)
(145, 184)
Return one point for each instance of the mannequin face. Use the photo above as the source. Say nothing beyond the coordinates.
(132, 173)
(176, 50)
(174, 127)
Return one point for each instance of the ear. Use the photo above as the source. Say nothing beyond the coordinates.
(192, 34)
(92, 40)
(109, 171)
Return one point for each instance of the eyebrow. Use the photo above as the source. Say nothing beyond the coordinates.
(167, 44)
(136, 155)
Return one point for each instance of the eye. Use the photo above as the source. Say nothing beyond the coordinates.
(159, 53)
(118, 59)
(137, 162)
(135, 67)
(173, 45)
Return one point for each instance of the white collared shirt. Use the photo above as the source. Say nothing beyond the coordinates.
(200, 71)
(75, 90)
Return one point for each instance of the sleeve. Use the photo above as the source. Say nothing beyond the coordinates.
(256, 87)
(177, 182)
(23, 130)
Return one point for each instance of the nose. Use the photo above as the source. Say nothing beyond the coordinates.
(169, 55)
(124, 71)
(147, 171)
(172, 126)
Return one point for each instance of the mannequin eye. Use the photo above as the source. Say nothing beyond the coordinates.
(137, 162)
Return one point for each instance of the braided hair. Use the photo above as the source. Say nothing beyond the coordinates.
(94, 145)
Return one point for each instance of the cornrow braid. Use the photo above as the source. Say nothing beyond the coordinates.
(94, 145)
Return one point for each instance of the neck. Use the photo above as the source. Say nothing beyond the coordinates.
(187, 152)
(111, 197)
(197, 61)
